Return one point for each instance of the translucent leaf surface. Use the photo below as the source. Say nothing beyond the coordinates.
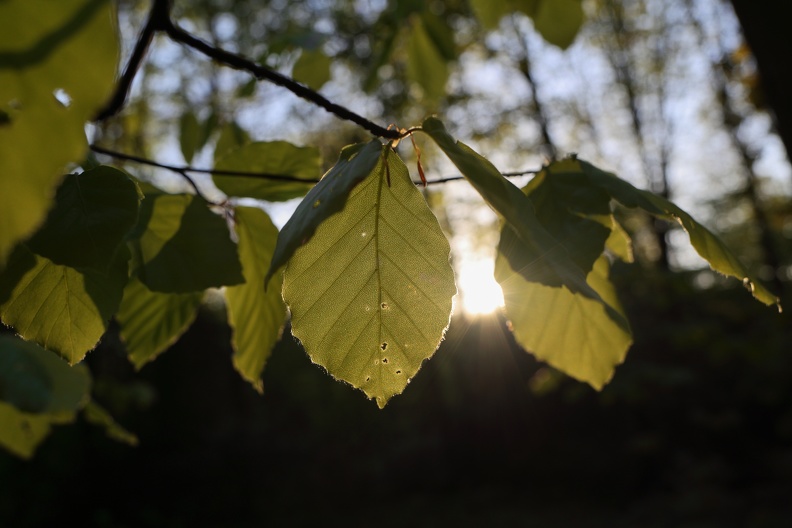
(181, 246)
(271, 157)
(506, 199)
(573, 333)
(706, 244)
(370, 294)
(57, 66)
(37, 381)
(256, 316)
(231, 136)
(325, 199)
(425, 63)
(312, 68)
(573, 210)
(63, 309)
(93, 212)
(152, 321)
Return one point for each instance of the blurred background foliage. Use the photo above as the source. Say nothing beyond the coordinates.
(694, 430)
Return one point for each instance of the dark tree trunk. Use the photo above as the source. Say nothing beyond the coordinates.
(767, 31)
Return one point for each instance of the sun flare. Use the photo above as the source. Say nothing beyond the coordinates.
(478, 291)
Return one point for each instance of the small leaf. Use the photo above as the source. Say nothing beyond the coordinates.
(181, 246)
(426, 65)
(97, 415)
(274, 157)
(189, 135)
(706, 244)
(571, 332)
(152, 321)
(558, 21)
(370, 294)
(312, 68)
(247, 89)
(61, 308)
(21, 433)
(490, 12)
(36, 381)
(325, 199)
(231, 136)
(58, 63)
(556, 265)
(256, 316)
(92, 214)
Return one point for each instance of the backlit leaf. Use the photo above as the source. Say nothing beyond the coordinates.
(61, 308)
(21, 432)
(325, 199)
(278, 158)
(555, 266)
(231, 136)
(190, 133)
(425, 63)
(312, 68)
(152, 321)
(706, 244)
(57, 67)
(93, 212)
(558, 21)
(370, 294)
(181, 246)
(256, 316)
(37, 381)
(571, 332)
(97, 415)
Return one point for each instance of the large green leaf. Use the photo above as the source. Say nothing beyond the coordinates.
(426, 65)
(181, 246)
(92, 214)
(370, 294)
(66, 49)
(152, 321)
(706, 244)
(573, 210)
(571, 332)
(37, 381)
(63, 309)
(256, 315)
(272, 157)
(556, 265)
(325, 199)
(312, 68)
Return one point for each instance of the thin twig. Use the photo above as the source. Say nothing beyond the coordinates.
(158, 14)
(187, 168)
(184, 169)
(238, 62)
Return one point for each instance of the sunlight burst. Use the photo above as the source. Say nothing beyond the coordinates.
(479, 292)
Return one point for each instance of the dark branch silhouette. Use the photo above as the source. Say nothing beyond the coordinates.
(159, 20)
(183, 170)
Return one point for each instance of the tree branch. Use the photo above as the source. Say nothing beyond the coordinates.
(157, 20)
(182, 170)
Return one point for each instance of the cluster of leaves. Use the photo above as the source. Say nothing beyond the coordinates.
(362, 265)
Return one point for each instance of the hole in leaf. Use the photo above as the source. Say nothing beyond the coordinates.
(317, 203)
(363, 234)
(384, 346)
(384, 306)
(384, 360)
(368, 378)
(398, 372)
(63, 97)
